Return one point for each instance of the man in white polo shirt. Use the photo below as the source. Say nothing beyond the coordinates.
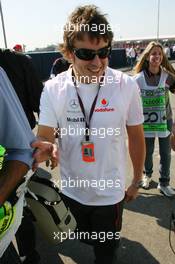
(93, 105)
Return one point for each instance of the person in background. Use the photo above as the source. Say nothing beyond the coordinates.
(128, 59)
(59, 66)
(138, 52)
(156, 77)
(166, 50)
(16, 137)
(132, 55)
(18, 48)
(173, 51)
(15, 161)
(94, 97)
(28, 88)
(24, 80)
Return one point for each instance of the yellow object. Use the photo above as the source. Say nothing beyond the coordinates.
(8, 219)
(2, 154)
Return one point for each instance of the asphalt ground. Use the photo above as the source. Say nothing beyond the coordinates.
(145, 232)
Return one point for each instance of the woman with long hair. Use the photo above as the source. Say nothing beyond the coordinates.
(156, 77)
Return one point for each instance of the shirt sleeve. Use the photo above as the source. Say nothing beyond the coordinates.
(23, 155)
(47, 115)
(15, 132)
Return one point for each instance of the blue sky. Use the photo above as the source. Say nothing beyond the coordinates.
(38, 23)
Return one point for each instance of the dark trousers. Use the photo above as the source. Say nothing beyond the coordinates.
(165, 158)
(102, 223)
(10, 256)
(26, 238)
(25, 235)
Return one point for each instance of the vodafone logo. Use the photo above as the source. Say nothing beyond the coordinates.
(104, 109)
(104, 102)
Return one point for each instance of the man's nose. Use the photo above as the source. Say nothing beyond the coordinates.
(96, 60)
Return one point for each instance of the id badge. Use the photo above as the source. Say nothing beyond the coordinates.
(87, 149)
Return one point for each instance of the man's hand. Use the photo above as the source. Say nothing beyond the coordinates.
(131, 193)
(136, 143)
(44, 151)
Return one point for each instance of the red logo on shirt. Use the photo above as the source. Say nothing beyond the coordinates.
(104, 102)
(104, 109)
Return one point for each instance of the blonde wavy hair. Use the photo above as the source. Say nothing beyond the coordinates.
(143, 63)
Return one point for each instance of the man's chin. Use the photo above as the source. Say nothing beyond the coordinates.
(97, 76)
(92, 77)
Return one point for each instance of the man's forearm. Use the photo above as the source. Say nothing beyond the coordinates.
(136, 143)
(46, 134)
(11, 175)
(137, 154)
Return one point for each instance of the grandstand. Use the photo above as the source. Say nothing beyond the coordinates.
(143, 42)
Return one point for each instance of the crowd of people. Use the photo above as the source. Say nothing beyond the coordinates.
(86, 97)
(133, 52)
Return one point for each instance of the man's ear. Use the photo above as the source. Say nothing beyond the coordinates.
(71, 56)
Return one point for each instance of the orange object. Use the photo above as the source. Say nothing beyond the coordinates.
(88, 151)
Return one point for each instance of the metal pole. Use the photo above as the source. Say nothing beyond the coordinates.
(3, 26)
(158, 16)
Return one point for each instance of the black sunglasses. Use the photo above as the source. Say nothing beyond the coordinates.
(89, 54)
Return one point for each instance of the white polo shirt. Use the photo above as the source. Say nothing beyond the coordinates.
(118, 104)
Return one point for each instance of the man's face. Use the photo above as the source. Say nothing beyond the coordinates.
(89, 70)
